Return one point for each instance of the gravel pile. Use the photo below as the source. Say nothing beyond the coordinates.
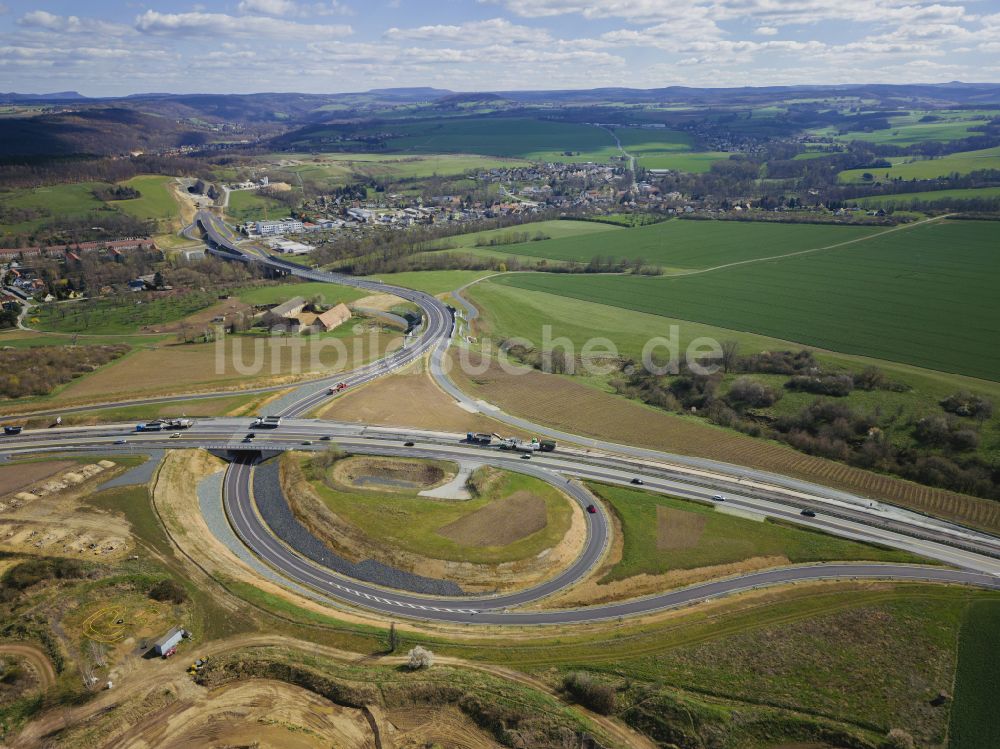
(278, 516)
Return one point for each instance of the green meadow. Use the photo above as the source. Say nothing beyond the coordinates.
(924, 296)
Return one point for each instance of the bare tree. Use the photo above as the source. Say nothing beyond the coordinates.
(730, 349)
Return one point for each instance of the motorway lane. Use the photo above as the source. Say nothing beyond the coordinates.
(227, 434)
(494, 610)
(489, 610)
(438, 328)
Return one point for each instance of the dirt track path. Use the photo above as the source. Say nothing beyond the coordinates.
(36, 658)
(160, 674)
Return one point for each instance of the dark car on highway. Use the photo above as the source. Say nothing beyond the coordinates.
(808, 513)
(637, 481)
(591, 509)
(407, 444)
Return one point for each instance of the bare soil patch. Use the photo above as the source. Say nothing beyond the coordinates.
(13, 478)
(388, 474)
(410, 400)
(420, 727)
(382, 302)
(45, 518)
(24, 669)
(253, 713)
(676, 529)
(499, 523)
(569, 405)
(163, 369)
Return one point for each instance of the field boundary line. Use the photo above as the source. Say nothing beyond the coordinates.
(901, 227)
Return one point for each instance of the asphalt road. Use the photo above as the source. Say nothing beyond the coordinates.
(222, 435)
(975, 556)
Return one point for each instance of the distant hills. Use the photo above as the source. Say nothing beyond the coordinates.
(75, 124)
(13, 97)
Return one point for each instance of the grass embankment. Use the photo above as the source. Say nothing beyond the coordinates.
(873, 666)
(663, 533)
(923, 296)
(497, 527)
(974, 721)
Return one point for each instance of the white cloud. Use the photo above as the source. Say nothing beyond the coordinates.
(771, 13)
(268, 7)
(766, 31)
(474, 33)
(219, 24)
(42, 20)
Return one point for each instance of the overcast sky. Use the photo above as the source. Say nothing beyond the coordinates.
(104, 47)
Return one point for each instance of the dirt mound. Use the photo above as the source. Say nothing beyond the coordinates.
(677, 529)
(255, 713)
(499, 523)
(16, 477)
(419, 727)
(388, 474)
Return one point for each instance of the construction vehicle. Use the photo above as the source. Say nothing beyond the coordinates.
(151, 426)
(178, 424)
(479, 438)
(270, 422)
(12, 429)
(338, 388)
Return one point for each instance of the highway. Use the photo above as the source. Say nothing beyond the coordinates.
(969, 567)
(972, 557)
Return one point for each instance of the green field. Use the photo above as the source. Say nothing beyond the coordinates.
(905, 199)
(519, 137)
(333, 169)
(552, 229)
(55, 201)
(905, 130)
(656, 148)
(434, 281)
(155, 202)
(722, 539)
(923, 295)
(907, 167)
(974, 721)
(685, 245)
(412, 522)
(248, 205)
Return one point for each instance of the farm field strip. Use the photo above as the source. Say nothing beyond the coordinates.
(695, 245)
(923, 297)
(961, 162)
